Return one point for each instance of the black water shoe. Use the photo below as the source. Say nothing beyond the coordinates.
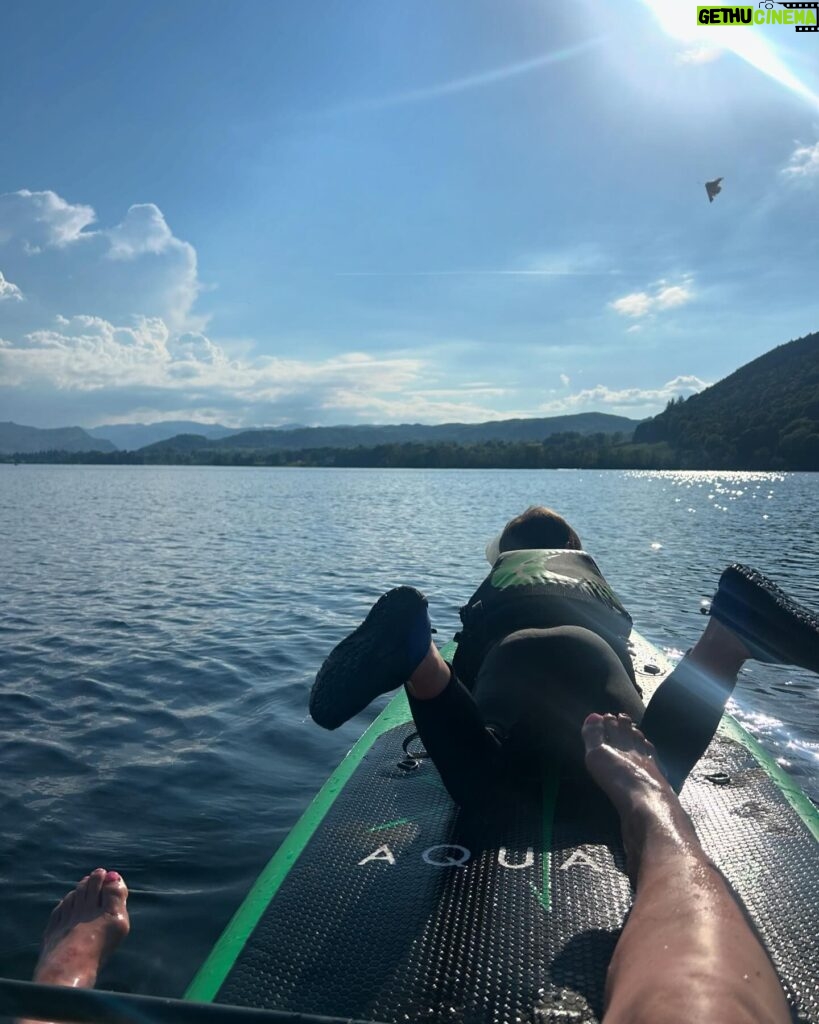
(377, 657)
(773, 627)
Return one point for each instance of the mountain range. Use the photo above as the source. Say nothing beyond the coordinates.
(367, 436)
(130, 436)
(765, 415)
(19, 440)
(186, 436)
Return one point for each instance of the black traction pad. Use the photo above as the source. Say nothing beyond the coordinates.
(399, 909)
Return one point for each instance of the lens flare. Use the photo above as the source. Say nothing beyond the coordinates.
(678, 20)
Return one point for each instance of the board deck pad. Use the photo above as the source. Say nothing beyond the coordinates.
(400, 908)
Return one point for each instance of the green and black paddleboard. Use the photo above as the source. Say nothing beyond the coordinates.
(385, 904)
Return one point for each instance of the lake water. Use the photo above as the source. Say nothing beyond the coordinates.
(160, 628)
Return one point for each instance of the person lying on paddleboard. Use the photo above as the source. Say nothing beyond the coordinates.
(683, 909)
(544, 644)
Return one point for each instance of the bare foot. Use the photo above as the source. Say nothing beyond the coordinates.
(85, 927)
(623, 764)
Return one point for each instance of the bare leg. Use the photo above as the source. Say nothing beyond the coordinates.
(687, 952)
(751, 617)
(683, 715)
(719, 651)
(431, 677)
(85, 927)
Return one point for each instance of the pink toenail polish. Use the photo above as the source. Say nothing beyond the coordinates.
(113, 876)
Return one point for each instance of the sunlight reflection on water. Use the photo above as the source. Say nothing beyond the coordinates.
(161, 627)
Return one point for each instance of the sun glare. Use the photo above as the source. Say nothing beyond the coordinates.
(751, 44)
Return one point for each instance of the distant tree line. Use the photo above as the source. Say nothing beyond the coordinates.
(764, 416)
(558, 451)
(756, 448)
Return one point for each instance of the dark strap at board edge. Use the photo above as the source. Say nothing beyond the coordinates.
(92, 1006)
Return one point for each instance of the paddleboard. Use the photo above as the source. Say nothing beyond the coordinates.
(385, 903)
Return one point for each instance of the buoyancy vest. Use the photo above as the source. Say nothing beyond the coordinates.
(539, 588)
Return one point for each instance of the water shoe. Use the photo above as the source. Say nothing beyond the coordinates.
(377, 657)
(773, 627)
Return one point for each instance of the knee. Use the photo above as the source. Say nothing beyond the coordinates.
(534, 643)
(567, 646)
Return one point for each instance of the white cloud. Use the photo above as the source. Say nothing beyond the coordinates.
(673, 295)
(9, 290)
(476, 389)
(633, 304)
(109, 331)
(804, 162)
(84, 353)
(42, 219)
(628, 400)
(415, 407)
(63, 266)
(193, 347)
(664, 296)
(97, 366)
(143, 230)
(87, 353)
(699, 55)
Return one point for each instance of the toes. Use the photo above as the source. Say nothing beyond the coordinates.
(593, 732)
(94, 887)
(610, 729)
(114, 894)
(634, 738)
(62, 913)
(642, 745)
(617, 731)
(625, 732)
(67, 904)
(79, 889)
(621, 732)
(56, 915)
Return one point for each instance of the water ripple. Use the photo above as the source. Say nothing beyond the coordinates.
(160, 628)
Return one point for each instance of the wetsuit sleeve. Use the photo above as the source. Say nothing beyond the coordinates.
(467, 660)
(471, 646)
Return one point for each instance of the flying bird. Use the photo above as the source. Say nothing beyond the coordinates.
(713, 188)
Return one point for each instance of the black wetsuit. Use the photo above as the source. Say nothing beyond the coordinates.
(544, 643)
(540, 588)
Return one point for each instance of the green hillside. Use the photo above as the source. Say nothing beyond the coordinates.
(516, 430)
(130, 436)
(179, 443)
(19, 440)
(765, 415)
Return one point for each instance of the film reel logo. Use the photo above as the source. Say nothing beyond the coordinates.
(812, 5)
(802, 14)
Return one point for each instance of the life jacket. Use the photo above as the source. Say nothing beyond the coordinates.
(539, 588)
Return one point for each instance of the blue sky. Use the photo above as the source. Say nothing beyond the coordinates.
(395, 210)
